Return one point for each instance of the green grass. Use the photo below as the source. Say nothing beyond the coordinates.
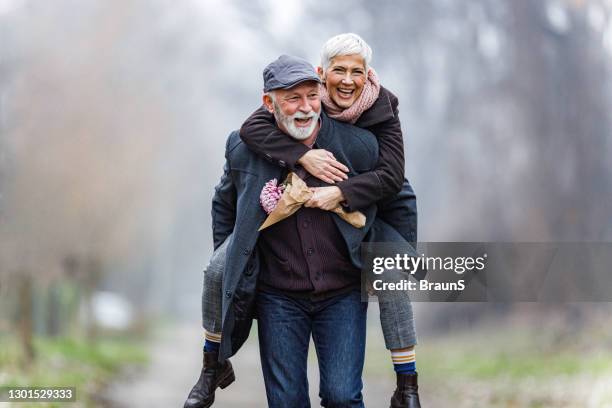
(491, 363)
(496, 352)
(69, 362)
(499, 366)
(511, 353)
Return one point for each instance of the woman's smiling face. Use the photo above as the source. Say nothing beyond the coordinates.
(344, 79)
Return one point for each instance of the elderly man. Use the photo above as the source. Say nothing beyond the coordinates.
(301, 275)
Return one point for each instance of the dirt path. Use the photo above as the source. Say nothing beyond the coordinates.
(176, 362)
(175, 366)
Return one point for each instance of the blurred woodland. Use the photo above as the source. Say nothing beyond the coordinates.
(113, 119)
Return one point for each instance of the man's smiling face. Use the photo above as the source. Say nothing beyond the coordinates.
(296, 109)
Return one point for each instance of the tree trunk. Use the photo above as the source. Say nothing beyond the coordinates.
(26, 322)
(92, 278)
(54, 311)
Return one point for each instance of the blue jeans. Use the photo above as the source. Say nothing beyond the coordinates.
(338, 328)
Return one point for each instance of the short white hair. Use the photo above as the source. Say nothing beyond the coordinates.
(345, 44)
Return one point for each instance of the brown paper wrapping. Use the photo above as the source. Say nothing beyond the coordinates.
(295, 195)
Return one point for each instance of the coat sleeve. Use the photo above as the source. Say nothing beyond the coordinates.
(224, 205)
(388, 176)
(400, 212)
(260, 133)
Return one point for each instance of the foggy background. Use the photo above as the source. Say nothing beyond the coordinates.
(114, 116)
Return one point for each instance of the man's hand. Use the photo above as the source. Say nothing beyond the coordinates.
(324, 166)
(325, 198)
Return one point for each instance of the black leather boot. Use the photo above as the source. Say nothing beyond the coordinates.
(406, 394)
(213, 375)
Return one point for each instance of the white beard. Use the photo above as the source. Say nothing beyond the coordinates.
(298, 133)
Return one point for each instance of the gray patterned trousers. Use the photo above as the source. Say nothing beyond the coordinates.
(396, 317)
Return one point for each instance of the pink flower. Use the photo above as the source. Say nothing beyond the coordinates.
(270, 195)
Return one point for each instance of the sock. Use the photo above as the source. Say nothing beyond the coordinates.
(404, 362)
(212, 341)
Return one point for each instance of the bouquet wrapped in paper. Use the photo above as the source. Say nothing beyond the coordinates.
(282, 201)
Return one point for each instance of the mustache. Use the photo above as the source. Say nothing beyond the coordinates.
(302, 115)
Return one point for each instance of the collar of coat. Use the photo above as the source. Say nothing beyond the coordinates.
(381, 111)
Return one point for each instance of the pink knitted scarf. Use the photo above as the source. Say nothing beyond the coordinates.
(368, 96)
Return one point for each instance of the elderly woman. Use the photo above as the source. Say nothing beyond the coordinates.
(351, 92)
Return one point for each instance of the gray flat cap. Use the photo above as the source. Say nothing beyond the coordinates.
(288, 71)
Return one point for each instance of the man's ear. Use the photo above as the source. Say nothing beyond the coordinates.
(267, 101)
(321, 73)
